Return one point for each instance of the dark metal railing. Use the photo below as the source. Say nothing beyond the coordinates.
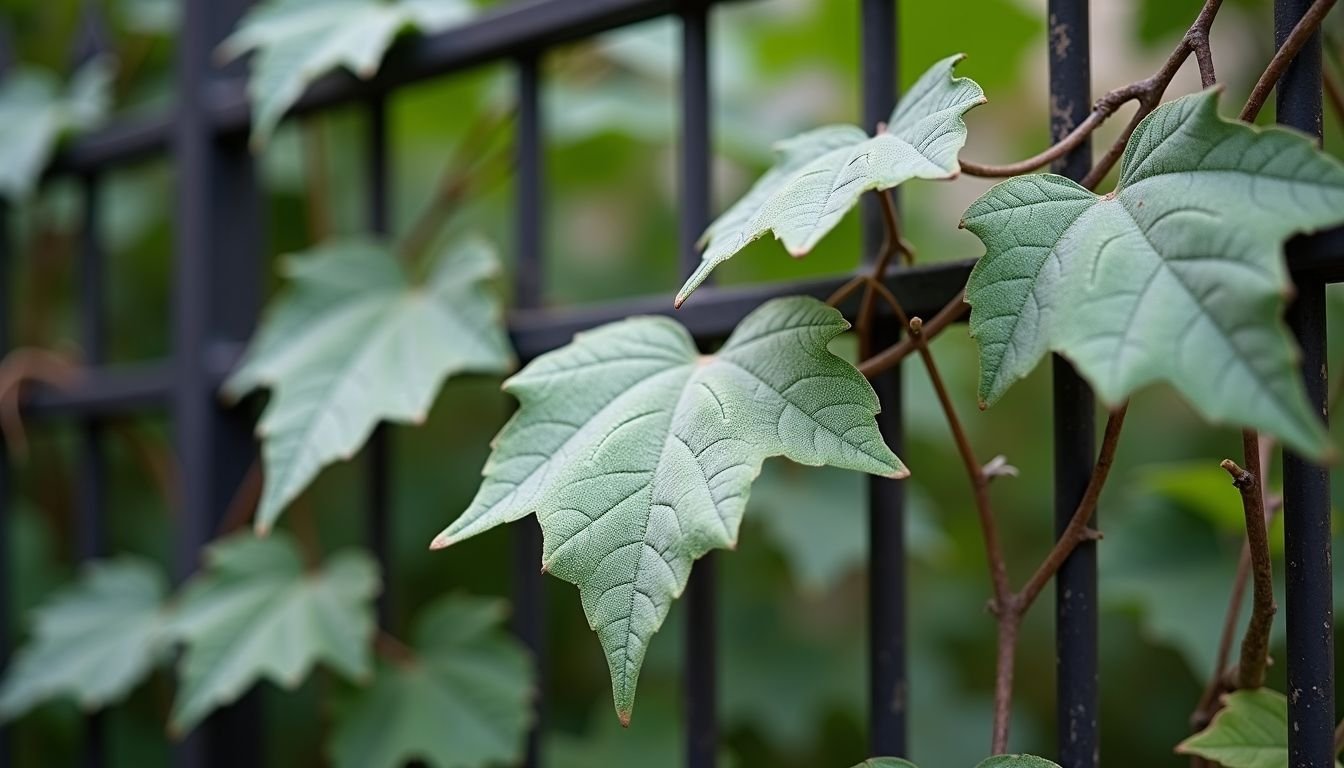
(218, 258)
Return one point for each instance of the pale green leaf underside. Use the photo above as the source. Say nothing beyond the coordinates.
(821, 174)
(297, 41)
(1177, 276)
(353, 343)
(254, 613)
(92, 642)
(1250, 731)
(464, 702)
(36, 111)
(637, 454)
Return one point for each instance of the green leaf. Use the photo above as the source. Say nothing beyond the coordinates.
(820, 175)
(1017, 761)
(885, 762)
(1250, 731)
(255, 613)
(93, 641)
(1175, 276)
(464, 700)
(35, 112)
(637, 454)
(355, 342)
(297, 41)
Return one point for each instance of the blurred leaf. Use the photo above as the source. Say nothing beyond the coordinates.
(297, 41)
(463, 699)
(1145, 285)
(1017, 761)
(885, 762)
(1250, 731)
(93, 641)
(1201, 487)
(150, 17)
(253, 612)
(637, 453)
(821, 174)
(35, 112)
(355, 342)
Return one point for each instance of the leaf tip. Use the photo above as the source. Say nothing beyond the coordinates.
(900, 473)
(441, 541)
(262, 528)
(983, 405)
(624, 716)
(677, 302)
(799, 252)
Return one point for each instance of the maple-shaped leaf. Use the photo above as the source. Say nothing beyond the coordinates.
(92, 642)
(636, 453)
(1175, 276)
(296, 41)
(1250, 731)
(36, 111)
(820, 175)
(353, 342)
(462, 699)
(254, 612)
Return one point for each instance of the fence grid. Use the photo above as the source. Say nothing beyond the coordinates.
(218, 262)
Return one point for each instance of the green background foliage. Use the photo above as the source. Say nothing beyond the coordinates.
(793, 626)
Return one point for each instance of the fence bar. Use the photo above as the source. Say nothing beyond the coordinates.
(1310, 620)
(700, 685)
(216, 292)
(529, 613)
(90, 535)
(378, 451)
(1074, 428)
(887, 675)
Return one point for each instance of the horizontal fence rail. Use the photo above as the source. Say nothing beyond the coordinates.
(218, 258)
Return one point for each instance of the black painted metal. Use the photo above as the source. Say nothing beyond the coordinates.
(529, 606)
(378, 450)
(1074, 429)
(1308, 578)
(700, 693)
(887, 675)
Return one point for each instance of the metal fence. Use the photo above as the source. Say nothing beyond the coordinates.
(218, 261)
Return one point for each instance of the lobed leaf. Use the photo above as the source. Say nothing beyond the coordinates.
(93, 641)
(1250, 731)
(36, 111)
(254, 613)
(1175, 276)
(463, 701)
(355, 342)
(820, 175)
(637, 454)
(294, 42)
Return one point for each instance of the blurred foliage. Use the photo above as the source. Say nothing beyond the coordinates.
(793, 629)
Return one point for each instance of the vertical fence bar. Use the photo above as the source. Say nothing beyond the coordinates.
(887, 675)
(216, 292)
(700, 685)
(529, 614)
(90, 536)
(1074, 427)
(1309, 599)
(378, 452)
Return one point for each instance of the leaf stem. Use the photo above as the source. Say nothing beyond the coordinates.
(1255, 643)
(1302, 32)
(890, 357)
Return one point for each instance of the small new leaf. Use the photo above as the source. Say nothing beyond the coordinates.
(1175, 276)
(92, 642)
(297, 41)
(636, 454)
(36, 111)
(254, 613)
(463, 701)
(1250, 731)
(820, 175)
(355, 342)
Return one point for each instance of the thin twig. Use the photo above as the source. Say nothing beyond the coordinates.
(1255, 643)
(20, 367)
(316, 180)
(890, 246)
(393, 649)
(839, 295)
(890, 357)
(1302, 32)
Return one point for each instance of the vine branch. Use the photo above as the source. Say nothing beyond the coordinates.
(1255, 643)
(1302, 32)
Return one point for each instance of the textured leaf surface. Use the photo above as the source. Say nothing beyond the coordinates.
(464, 701)
(885, 762)
(92, 642)
(1176, 276)
(254, 613)
(820, 175)
(355, 342)
(637, 454)
(296, 41)
(1017, 761)
(36, 111)
(1251, 731)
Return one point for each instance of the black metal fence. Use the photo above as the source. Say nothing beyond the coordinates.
(218, 261)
